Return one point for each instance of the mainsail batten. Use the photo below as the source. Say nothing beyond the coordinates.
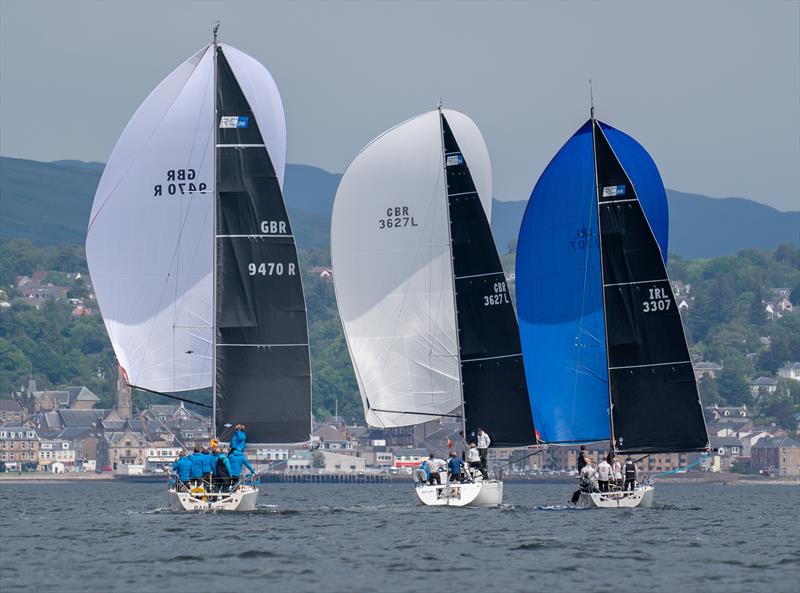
(494, 390)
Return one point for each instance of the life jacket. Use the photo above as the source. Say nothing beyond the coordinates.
(630, 471)
(221, 470)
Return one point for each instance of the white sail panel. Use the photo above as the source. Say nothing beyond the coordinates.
(393, 272)
(262, 94)
(149, 245)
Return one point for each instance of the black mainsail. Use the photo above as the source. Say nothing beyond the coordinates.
(493, 377)
(263, 375)
(655, 405)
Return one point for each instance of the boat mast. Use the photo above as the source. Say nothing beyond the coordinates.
(453, 280)
(215, 45)
(612, 439)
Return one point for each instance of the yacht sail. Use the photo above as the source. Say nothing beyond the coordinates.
(191, 251)
(605, 352)
(420, 289)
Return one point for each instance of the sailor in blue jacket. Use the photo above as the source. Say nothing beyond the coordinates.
(454, 466)
(196, 459)
(239, 438)
(237, 460)
(208, 465)
(183, 468)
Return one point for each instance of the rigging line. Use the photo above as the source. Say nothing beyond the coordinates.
(434, 414)
(539, 452)
(161, 393)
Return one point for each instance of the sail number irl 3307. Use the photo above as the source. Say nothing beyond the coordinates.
(659, 301)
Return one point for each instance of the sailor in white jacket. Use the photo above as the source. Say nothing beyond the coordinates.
(483, 450)
(604, 473)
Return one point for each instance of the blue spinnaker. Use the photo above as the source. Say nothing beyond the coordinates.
(559, 286)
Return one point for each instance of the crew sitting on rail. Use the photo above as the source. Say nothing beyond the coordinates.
(239, 438)
(454, 466)
(434, 466)
(236, 460)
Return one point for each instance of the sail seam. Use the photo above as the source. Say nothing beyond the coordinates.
(261, 345)
(480, 275)
(637, 282)
(654, 364)
(492, 357)
(262, 236)
(604, 202)
(241, 145)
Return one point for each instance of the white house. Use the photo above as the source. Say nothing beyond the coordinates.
(791, 370)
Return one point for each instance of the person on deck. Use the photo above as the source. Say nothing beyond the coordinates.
(239, 438)
(616, 471)
(422, 474)
(583, 458)
(604, 473)
(236, 459)
(587, 477)
(196, 459)
(434, 465)
(208, 466)
(474, 459)
(630, 474)
(222, 469)
(183, 468)
(454, 467)
(483, 449)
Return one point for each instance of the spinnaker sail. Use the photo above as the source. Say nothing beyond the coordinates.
(191, 251)
(592, 245)
(420, 290)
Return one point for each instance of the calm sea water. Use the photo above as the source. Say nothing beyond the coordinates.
(345, 537)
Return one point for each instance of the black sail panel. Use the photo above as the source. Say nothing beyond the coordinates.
(492, 373)
(655, 403)
(263, 376)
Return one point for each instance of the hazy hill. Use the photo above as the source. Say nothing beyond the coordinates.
(50, 203)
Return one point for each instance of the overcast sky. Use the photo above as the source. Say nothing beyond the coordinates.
(711, 89)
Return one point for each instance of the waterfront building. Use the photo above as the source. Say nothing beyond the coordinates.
(56, 451)
(779, 456)
(19, 448)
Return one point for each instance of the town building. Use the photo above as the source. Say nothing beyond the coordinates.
(11, 412)
(56, 451)
(763, 385)
(19, 448)
(779, 456)
(791, 371)
(706, 368)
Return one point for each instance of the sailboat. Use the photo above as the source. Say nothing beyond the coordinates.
(606, 356)
(422, 296)
(193, 259)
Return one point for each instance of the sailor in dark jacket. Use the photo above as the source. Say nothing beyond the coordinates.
(222, 469)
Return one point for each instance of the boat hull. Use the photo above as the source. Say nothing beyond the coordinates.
(642, 497)
(243, 498)
(472, 494)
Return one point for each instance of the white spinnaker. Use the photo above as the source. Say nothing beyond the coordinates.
(394, 285)
(150, 248)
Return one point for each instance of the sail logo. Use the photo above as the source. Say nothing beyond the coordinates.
(234, 121)
(611, 191)
(454, 160)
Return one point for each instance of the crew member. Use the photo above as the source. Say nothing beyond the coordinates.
(196, 459)
(454, 466)
(208, 466)
(588, 477)
(236, 459)
(616, 470)
(483, 448)
(421, 474)
(239, 438)
(583, 458)
(604, 473)
(630, 474)
(183, 468)
(474, 459)
(434, 465)
(222, 469)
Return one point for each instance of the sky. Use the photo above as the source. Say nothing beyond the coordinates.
(711, 89)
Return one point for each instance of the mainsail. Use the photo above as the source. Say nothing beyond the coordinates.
(420, 290)
(592, 246)
(191, 195)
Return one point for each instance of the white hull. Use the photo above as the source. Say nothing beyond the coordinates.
(642, 496)
(454, 494)
(244, 498)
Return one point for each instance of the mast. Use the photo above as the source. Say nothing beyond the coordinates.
(214, 264)
(453, 280)
(612, 439)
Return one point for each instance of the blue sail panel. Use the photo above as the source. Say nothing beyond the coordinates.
(560, 300)
(644, 175)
